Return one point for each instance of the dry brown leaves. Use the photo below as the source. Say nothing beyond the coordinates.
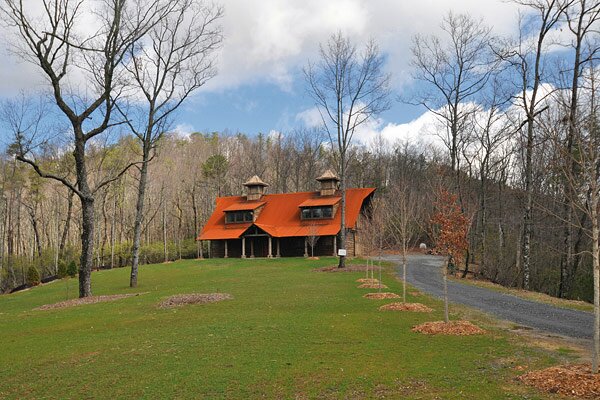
(571, 380)
(85, 300)
(372, 286)
(380, 296)
(458, 328)
(193, 298)
(347, 268)
(416, 307)
(367, 280)
(415, 294)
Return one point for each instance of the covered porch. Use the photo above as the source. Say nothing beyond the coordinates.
(257, 243)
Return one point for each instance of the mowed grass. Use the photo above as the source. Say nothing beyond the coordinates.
(289, 332)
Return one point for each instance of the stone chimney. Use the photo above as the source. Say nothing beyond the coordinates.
(329, 183)
(256, 188)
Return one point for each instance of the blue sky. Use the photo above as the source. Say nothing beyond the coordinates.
(260, 86)
(262, 107)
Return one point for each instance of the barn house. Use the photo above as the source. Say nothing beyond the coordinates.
(286, 224)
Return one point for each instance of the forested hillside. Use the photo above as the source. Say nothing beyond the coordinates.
(41, 224)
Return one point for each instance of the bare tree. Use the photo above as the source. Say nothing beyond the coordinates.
(349, 88)
(401, 211)
(313, 237)
(61, 45)
(525, 57)
(582, 17)
(491, 153)
(174, 59)
(584, 182)
(455, 68)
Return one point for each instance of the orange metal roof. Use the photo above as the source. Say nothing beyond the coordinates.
(245, 206)
(280, 216)
(320, 201)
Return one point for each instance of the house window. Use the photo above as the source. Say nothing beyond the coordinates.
(232, 217)
(317, 212)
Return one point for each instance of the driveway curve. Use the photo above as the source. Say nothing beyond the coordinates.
(424, 273)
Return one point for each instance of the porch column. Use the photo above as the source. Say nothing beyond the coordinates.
(335, 245)
(270, 255)
(278, 252)
(209, 246)
(251, 248)
(226, 255)
(243, 247)
(201, 248)
(305, 247)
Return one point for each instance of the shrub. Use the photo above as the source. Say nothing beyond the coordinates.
(62, 269)
(72, 269)
(33, 276)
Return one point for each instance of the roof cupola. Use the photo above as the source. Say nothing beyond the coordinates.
(329, 183)
(255, 188)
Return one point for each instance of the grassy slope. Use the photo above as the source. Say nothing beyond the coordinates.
(289, 332)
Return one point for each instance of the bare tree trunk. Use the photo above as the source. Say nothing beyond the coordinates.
(518, 263)
(87, 246)
(527, 219)
(36, 233)
(404, 270)
(195, 212)
(342, 262)
(164, 226)
(104, 235)
(379, 265)
(179, 225)
(596, 267)
(4, 204)
(139, 215)
(65, 232)
(57, 237)
(445, 278)
(112, 230)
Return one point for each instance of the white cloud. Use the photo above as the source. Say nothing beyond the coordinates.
(422, 130)
(184, 130)
(310, 118)
(270, 40)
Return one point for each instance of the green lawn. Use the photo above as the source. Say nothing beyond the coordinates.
(289, 332)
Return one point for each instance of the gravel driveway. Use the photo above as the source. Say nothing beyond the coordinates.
(423, 272)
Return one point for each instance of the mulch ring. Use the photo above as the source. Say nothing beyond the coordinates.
(381, 296)
(415, 307)
(372, 286)
(347, 268)
(367, 280)
(193, 298)
(571, 380)
(85, 300)
(457, 328)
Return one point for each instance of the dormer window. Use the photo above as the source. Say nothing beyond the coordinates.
(317, 212)
(236, 217)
